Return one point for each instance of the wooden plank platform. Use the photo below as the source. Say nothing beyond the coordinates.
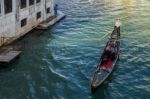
(45, 25)
(7, 57)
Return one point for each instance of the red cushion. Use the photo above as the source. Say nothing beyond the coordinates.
(107, 64)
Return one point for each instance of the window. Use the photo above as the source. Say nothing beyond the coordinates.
(48, 10)
(31, 2)
(38, 15)
(8, 6)
(37, 1)
(23, 3)
(23, 22)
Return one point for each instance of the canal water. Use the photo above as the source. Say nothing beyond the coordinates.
(59, 63)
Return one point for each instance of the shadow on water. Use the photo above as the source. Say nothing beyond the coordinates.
(34, 40)
(27, 42)
(100, 93)
(10, 66)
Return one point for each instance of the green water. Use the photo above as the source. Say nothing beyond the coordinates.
(59, 63)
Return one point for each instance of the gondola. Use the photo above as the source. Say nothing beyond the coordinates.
(108, 59)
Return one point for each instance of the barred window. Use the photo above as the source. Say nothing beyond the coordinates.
(38, 15)
(23, 22)
(37, 1)
(23, 3)
(8, 6)
(31, 2)
(48, 10)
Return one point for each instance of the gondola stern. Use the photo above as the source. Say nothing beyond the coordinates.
(93, 88)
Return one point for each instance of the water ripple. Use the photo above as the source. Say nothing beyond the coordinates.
(60, 63)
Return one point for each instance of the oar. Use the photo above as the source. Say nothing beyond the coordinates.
(103, 37)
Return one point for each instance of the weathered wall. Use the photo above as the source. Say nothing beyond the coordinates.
(10, 24)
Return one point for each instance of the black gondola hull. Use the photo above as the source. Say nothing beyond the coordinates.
(102, 73)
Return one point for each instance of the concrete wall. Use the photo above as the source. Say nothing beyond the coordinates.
(10, 24)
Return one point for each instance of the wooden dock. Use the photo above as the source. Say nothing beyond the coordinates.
(8, 55)
(45, 25)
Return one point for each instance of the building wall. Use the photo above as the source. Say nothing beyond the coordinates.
(10, 24)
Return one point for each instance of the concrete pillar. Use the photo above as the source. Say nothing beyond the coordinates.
(14, 6)
(44, 9)
(2, 7)
(52, 7)
(17, 16)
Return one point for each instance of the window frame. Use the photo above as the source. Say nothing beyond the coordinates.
(31, 2)
(23, 6)
(38, 15)
(23, 22)
(9, 9)
(48, 10)
(38, 1)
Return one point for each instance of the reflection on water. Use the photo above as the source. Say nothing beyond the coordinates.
(59, 63)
